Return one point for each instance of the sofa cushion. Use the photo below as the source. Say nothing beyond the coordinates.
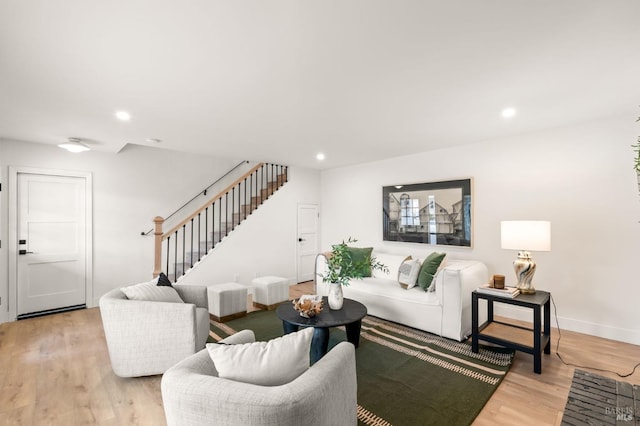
(361, 260)
(163, 280)
(272, 363)
(429, 268)
(151, 292)
(443, 264)
(392, 262)
(383, 289)
(408, 273)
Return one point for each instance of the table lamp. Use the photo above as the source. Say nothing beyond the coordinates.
(525, 235)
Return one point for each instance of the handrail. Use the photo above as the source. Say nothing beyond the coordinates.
(211, 200)
(253, 187)
(204, 192)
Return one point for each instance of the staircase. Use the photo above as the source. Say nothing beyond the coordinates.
(187, 243)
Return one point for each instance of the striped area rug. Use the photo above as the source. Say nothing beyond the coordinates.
(405, 376)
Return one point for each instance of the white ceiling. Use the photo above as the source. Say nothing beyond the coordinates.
(281, 80)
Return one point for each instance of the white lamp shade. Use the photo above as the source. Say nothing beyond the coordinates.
(529, 235)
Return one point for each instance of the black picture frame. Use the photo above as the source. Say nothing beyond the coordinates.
(436, 213)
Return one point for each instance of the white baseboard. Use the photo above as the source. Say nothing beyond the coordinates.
(626, 335)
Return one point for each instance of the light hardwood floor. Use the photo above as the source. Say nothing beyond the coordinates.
(55, 370)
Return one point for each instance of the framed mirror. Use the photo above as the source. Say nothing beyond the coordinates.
(437, 213)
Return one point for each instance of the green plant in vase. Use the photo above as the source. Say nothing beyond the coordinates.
(345, 263)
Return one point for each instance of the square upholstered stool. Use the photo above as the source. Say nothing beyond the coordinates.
(269, 292)
(227, 301)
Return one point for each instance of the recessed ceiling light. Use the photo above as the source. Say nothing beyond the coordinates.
(320, 156)
(154, 140)
(74, 145)
(123, 115)
(508, 112)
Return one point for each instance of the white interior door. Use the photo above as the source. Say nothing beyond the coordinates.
(51, 234)
(307, 241)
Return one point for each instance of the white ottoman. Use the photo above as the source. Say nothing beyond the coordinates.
(227, 301)
(269, 292)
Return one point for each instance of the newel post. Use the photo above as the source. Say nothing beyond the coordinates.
(157, 260)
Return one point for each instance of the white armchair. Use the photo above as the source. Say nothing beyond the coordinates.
(325, 394)
(146, 338)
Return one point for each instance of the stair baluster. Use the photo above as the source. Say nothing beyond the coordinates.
(240, 199)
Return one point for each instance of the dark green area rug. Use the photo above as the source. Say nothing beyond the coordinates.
(405, 376)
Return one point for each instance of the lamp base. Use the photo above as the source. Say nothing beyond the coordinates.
(525, 267)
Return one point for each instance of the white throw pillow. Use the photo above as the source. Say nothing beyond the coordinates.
(272, 363)
(391, 261)
(151, 292)
(408, 273)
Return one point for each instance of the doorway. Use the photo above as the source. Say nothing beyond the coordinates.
(49, 242)
(307, 248)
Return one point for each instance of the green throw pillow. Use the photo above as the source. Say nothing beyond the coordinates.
(429, 268)
(361, 260)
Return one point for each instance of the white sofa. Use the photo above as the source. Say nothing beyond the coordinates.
(445, 311)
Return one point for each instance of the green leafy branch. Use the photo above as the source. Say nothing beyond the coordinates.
(341, 267)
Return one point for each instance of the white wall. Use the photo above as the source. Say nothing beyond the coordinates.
(264, 244)
(580, 178)
(129, 190)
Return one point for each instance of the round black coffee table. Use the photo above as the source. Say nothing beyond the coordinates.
(350, 316)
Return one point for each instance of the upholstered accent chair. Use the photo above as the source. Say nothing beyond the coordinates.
(145, 338)
(325, 394)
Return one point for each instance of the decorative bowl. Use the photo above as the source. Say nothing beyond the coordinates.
(308, 308)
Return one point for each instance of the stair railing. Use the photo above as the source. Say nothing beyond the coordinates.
(188, 241)
(203, 192)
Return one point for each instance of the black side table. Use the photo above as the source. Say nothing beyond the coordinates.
(519, 338)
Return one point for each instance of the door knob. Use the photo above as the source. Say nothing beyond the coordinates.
(300, 239)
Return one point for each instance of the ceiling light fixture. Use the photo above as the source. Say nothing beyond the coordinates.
(74, 145)
(508, 112)
(123, 115)
(154, 140)
(320, 156)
